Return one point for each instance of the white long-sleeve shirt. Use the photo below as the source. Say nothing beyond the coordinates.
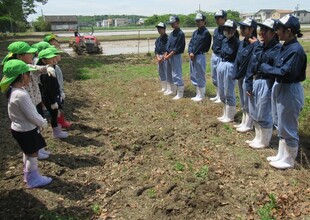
(22, 111)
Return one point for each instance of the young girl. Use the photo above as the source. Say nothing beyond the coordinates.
(26, 121)
(289, 68)
(225, 74)
(50, 92)
(248, 31)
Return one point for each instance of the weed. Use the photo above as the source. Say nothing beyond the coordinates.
(151, 193)
(228, 128)
(203, 172)
(173, 114)
(294, 182)
(96, 209)
(265, 212)
(179, 166)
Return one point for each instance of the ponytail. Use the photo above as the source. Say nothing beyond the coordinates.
(299, 34)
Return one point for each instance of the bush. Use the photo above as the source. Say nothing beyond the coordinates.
(41, 25)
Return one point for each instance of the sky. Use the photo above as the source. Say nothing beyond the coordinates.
(148, 8)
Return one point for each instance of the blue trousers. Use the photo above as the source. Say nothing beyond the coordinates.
(226, 83)
(198, 70)
(244, 100)
(162, 70)
(215, 60)
(287, 102)
(174, 70)
(260, 103)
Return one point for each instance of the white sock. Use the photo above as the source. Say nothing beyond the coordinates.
(25, 157)
(31, 164)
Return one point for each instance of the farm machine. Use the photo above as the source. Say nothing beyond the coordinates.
(85, 43)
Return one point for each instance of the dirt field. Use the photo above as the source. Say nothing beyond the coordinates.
(133, 153)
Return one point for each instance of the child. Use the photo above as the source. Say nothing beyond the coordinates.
(26, 121)
(50, 92)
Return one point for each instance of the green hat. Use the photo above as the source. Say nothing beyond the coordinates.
(55, 50)
(46, 53)
(11, 70)
(49, 37)
(18, 47)
(41, 45)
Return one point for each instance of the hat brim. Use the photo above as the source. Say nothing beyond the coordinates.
(49, 56)
(32, 50)
(243, 24)
(265, 26)
(229, 26)
(159, 26)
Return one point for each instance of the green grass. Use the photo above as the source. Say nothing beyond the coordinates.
(179, 166)
(202, 172)
(265, 212)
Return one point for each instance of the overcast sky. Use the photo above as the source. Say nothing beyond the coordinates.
(148, 8)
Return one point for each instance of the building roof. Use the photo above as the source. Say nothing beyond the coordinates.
(283, 11)
(265, 10)
(302, 11)
(61, 18)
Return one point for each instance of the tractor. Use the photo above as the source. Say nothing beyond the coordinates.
(83, 44)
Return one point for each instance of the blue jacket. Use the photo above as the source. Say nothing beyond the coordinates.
(160, 44)
(176, 41)
(200, 41)
(229, 49)
(244, 54)
(289, 64)
(262, 54)
(218, 37)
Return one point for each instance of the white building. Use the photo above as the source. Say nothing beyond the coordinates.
(263, 14)
(303, 15)
(120, 22)
(277, 14)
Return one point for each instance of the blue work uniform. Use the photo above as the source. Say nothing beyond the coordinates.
(199, 44)
(225, 74)
(245, 51)
(160, 49)
(289, 68)
(261, 87)
(218, 37)
(176, 43)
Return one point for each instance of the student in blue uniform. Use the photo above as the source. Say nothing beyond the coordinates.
(198, 46)
(218, 36)
(289, 68)
(160, 49)
(225, 73)
(259, 90)
(174, 49)
(248, 31)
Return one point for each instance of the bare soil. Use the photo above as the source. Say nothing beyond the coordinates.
(133, 153)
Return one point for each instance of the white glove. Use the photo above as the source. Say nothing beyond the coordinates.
(45, 125)
(51, 71)
(40, 68)
(54, 106)
(63, 96)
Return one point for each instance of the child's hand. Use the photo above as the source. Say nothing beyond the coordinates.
(51, 71)
(54, 106)
(45, 125)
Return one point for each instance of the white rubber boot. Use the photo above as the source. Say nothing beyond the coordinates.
(217, 95)
(224, 114)
(197, 94)
(257, 134)
(168, 89)
(202, 91)
(279, 154)
(248, 124)
(242, 121)
(264, 140)
(180, 93)
(163, 86)
(288, 158)
(58, 133)
(230, 114)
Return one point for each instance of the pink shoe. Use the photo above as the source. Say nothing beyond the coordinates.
(34, 179)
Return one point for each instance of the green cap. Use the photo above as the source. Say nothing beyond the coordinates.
(11, 70)
(49, 37)
(55, 50)
(46, 54)
(41, 45)
(18, 47)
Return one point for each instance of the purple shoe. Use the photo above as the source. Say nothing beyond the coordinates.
(34, 179)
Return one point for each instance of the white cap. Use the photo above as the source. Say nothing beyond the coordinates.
(199, 16)
(160, 25)
(173, 19)
(248, 22)
(231, 24)
(269, 23)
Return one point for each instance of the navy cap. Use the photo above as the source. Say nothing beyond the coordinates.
(290, 21)
(269, 23)
(200, 16)
(160, 25)
(249, 22)
(173, 19)
(230, 24)
(220, 13)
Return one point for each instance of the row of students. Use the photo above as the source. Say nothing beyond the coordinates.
(268, 75)
(28, 83)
